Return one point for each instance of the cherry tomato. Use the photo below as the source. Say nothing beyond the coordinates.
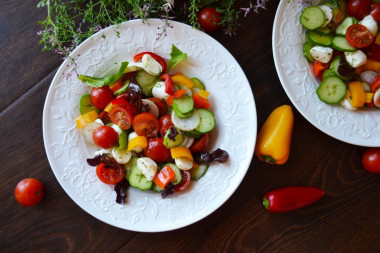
(29, 192)
(375, 11)
(121, 116)
(375, 84)
(358, 8)
(373, 52)
(161, 106)
(158, 58)
(111, 175)
(371, 160)
(165, 124)
(105, 137)
(104, 117)
(100, 97)
(359, 36)
(121, 100)
(156, 150)
(185, 181)
(209, 19)
(146, 124)
(201, 144)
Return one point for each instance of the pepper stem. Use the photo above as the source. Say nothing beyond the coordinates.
(266, 203)
(268, 159)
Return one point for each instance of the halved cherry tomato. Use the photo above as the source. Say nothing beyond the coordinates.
(146, 124)
(120, 100)
(164, 176)
(161, 105)
(109, 175)
(29, 192)
(358, 8)
(185, 181)
(158, 58)
(100, 97)
(375, 84)
(371, 160)
(209, 19)
(156, 150)
(375, 11)
(121, 116)
(165, 124)
(201, 144)
(359, 36)
(105, 137)
(169, 85)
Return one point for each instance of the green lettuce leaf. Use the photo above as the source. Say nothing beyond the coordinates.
(107, 80)
(176, 56)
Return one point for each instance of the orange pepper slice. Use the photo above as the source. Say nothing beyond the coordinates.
(181, 152)
(139, 141)
(357, 94)
(86, 118)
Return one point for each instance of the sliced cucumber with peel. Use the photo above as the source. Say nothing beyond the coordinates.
(312, 17)
(197, 173)
(169, 143)
(332, 90)
(85, 104)
(342, 27)
(207, 121)
(146, 82)
(319, 39)
(138, 180)
(183, 105)
(340, 43)
(306, 51)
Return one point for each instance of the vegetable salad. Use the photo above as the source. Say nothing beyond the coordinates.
(152, 127)
(343, 45)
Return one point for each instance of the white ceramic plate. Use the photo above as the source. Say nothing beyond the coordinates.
(360, 127)
(232, 102)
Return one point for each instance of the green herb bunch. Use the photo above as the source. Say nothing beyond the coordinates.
(69, 22)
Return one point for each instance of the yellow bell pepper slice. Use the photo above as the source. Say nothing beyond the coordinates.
(370, 65)
(368, 97)
(274, 137)
(181, 152)
(204, 93)
(86, 118)
(139, 141)
(357, 94)
(183, 80)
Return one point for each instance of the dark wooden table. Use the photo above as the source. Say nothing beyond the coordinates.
(347, 219)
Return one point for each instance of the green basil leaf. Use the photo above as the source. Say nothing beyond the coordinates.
(176, 56)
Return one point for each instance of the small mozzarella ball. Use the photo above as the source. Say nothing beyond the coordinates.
(370, 23)
(346, 103)
(150, 65)
(183, 163)
(328, 14)
(158, 91)
(88, 129)
(356, 59)
(322, 54)
(103, 152)
(121, 156)
(153, 109)
(368, 76)
(117, 129)
(148, 167)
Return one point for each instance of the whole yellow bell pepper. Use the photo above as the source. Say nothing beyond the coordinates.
(274, 137)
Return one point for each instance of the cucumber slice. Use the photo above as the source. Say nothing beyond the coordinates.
(197, 173)
(335, 68)
(198, 84)
(327, 73)
(323, 30)
(156, 188)
(186, 124)
(183, 105)
(128, 166)
(138, 180)
(306, 51)
(332, 90)
(177, 171)
(340, 43)
(85, 104)
(319, 38)
(207, 121)
(312, 17)
(146, 82)
(122, 141)
(122, 89)
(168, 143)
(193, 134)
(342, 27)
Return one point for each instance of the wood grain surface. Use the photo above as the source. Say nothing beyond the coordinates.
(347, 219)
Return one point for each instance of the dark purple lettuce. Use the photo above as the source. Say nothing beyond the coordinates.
(121, 191)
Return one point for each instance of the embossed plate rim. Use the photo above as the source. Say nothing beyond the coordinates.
(121, 216)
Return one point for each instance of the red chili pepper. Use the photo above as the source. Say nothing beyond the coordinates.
(291, 198)
(169, 85)
(158, 58)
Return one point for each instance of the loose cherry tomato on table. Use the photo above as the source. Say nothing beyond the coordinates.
(105, 137)
(359, 36)
(165, 124)
(100, 97)
(375, 11)
(156, 150)
(185, 181)
(146, 124)
(121, 116)
(358, 8)
(29, 192)
(209, 19)
(371, 160)
(201, 144)
(109, 175)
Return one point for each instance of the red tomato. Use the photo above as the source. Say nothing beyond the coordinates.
(359, 36)
(358, 8)
(158, 58)
(375, 11)
(375, 84)
(29, 192)
(105, 137)
(371, 160)
(100, 97)
(109, 176)
(209, 19)
(161, 106)
(104, 116)
(201, 144)
(121, 116)
(373, 52)
(120, 100)
(146, 124)
(156, 150)
(165, 124)
(185, 181)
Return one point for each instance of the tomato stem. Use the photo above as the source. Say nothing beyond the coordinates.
(266, 203)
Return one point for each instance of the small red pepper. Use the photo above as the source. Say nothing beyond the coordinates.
(319, 68)
(158, 58)
(201, 102)
(169, 85)
(291, 198)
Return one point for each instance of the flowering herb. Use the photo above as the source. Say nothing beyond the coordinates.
(69, 22)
